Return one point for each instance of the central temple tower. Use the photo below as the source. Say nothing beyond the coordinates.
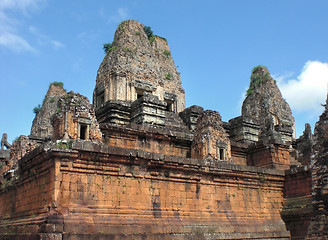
(136, 65)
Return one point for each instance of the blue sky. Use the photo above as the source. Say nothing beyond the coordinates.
(215, 45)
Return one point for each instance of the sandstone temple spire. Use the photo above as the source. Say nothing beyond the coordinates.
(136, 64)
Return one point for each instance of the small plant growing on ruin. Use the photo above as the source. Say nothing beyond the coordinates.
(63, 145)
(57, 84)
(258, 67)
(37, 109)
(150, 34)
(121, 26)
(257, 78)
(249, 92)
(167, 53)
(162, 38)
(148, 31)
(168, 76)
(152, 39)
(107, 47)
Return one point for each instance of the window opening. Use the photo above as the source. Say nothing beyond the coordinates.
(222, 154)
(169, 106)
(100, 100)
(140, 93)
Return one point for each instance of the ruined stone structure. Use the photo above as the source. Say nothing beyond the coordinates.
(211, 140)
(75, 119)
(319, 223)
(42, 127)
(135, 66)
(137, 164)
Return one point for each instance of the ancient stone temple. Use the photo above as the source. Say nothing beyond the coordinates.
(137, 164)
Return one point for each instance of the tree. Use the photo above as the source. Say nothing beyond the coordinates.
(107, 47)
(148, 31)
(37, 109)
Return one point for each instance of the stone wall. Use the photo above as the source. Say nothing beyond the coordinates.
(271, 156)
(298, 209)
(239, 153)
(147, 138)
(141, 195)
(20, 147)
(26, 204)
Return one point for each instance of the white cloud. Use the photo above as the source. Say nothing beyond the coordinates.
(282, 77)
(15, 42)
(308, 91)
(44, 39)
(22, 5)
(9, 38)
(120, 15)
(56, 44)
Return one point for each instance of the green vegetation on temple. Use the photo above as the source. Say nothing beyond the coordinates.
(37, 108)
(260, 73)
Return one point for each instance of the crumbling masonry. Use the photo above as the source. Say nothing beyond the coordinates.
(137, 164)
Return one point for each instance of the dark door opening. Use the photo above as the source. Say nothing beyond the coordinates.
(83, 132)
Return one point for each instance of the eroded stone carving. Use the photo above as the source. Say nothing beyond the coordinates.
(4, 142)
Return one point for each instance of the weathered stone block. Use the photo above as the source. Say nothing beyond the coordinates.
(117, 112)
(148, 110)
